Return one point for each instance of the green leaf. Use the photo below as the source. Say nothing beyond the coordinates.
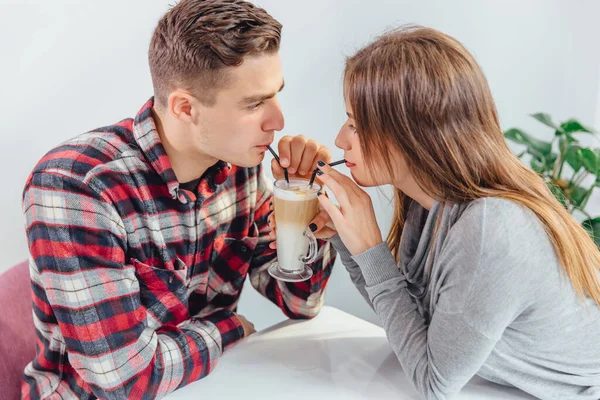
(537, 148)
(570, 137)
(573, 125)
(551, 159)
(558, 193)
(536, 154)
(591, 162)
(546, 119)
(538, 166)
(567, 140)
(577, 195)
(573, 157)
(593, 228)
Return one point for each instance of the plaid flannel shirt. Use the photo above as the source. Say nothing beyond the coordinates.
(135, 280)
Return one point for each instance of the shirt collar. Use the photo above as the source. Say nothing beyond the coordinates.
(148, 140)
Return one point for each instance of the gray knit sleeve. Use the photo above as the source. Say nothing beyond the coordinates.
(351, 266)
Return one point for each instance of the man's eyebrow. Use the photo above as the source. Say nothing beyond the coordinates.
(349, 115)
(257, 98)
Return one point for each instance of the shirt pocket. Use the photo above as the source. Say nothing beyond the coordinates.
(230, 261)
(163, 292)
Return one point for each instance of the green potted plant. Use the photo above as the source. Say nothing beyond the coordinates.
(549, 159)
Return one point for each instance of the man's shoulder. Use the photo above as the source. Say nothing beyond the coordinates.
(84, 153)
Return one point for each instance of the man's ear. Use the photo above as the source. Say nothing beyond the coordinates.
(181, 106)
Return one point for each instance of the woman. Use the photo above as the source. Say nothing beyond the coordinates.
(487, 274)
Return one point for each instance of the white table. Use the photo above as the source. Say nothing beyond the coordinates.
(333, 356)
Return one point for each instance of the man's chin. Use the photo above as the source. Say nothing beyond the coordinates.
(251, 161)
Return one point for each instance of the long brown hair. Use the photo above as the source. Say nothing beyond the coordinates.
(421, 92)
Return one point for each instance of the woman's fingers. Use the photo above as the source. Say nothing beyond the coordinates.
(329, 174)
(325, 233)
(322, 226)
(337, 189)
(332, 210)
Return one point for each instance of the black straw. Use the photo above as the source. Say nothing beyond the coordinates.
(285, 172)
(333, 164)
(314, 174)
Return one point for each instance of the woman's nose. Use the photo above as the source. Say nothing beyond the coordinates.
(341, 141)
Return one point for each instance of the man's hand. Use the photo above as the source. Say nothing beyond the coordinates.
(247, 325)
(299, 155)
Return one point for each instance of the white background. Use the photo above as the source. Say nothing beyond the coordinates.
(67, 67)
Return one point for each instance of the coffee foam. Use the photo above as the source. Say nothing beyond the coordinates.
(297, 190)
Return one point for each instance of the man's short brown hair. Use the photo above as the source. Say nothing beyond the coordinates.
(196, 39)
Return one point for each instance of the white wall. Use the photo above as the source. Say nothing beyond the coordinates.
(71, 66)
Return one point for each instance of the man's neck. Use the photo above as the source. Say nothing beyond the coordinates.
(186, 165)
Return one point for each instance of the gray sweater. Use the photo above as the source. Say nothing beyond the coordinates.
(489, 299)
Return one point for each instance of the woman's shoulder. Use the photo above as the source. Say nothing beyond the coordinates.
(499, 248)
(498, 206)
(501, 217)
(506, 233)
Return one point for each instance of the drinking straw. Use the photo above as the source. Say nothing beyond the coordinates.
(314, 174)
(285, 171)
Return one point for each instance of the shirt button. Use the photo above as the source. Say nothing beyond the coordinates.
(170, 279)
(202, 254)
(243, 248)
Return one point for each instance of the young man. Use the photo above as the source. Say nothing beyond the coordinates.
(142, 233)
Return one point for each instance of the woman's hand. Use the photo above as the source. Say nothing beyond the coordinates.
(355, 218)
(322, 226)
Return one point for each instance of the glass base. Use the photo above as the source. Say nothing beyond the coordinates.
(289, 276)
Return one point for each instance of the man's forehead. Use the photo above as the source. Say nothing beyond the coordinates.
(256, 76)
(257, 71)
(256, 96)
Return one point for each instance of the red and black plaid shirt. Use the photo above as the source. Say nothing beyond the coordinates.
(135, 280)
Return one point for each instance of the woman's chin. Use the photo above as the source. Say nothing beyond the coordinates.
(361, 181)
(366, 181)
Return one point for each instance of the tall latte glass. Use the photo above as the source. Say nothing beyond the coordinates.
(296, 205)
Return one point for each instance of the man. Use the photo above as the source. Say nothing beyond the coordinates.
(142, 233)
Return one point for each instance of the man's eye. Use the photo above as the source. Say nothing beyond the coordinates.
(255, 106)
